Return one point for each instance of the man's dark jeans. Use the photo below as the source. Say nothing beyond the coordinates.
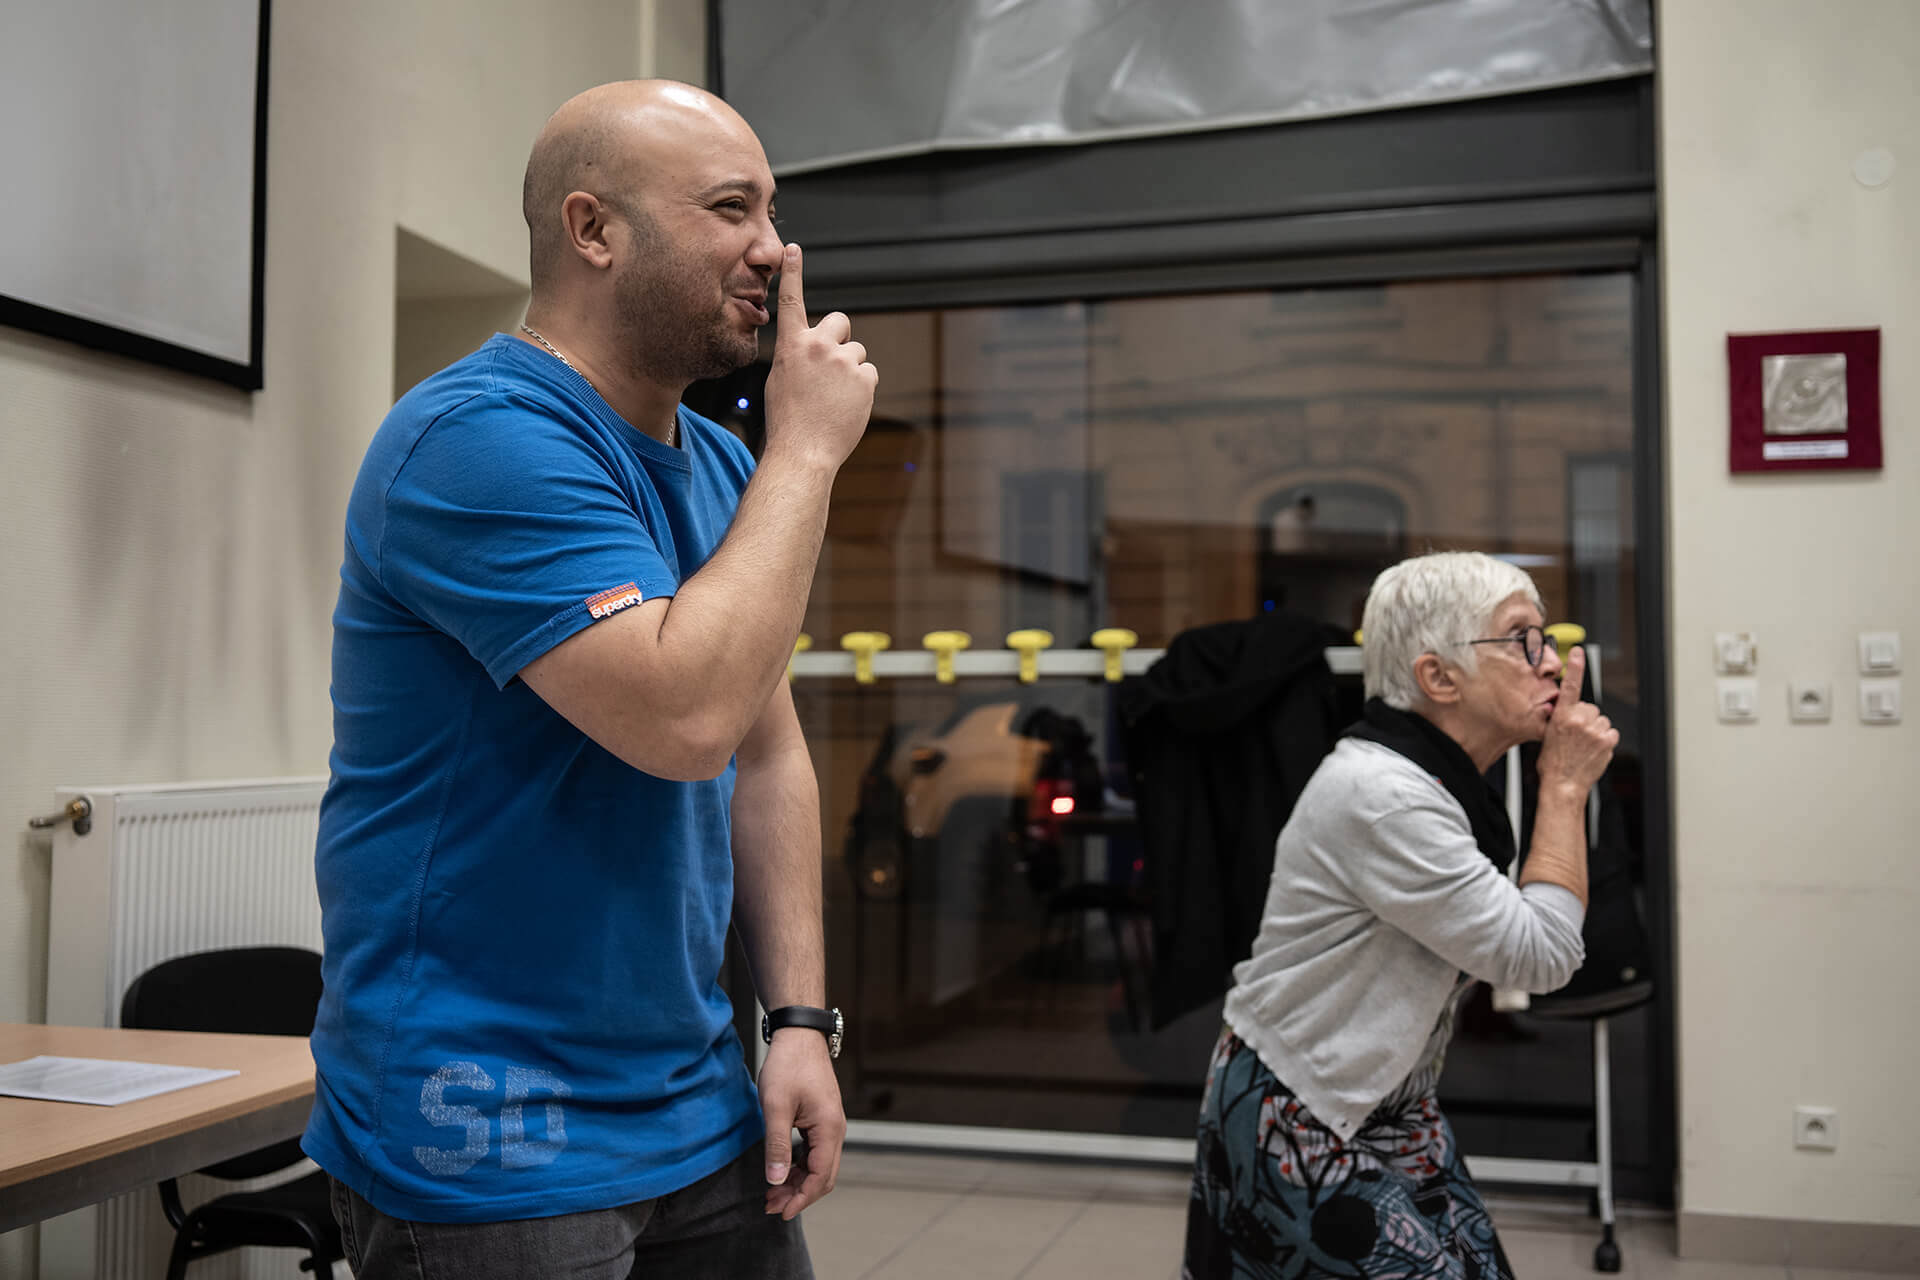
(716, 1229)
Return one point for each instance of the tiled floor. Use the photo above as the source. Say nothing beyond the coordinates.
(915, 1216)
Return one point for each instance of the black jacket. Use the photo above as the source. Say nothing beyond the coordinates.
(1221, 735)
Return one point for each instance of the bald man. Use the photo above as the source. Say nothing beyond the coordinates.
(566, 756)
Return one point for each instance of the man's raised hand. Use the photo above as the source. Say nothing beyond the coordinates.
(820, 390)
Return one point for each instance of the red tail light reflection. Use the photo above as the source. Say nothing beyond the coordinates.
(1052, 799)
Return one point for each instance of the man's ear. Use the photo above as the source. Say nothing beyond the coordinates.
(586, 224)
(1439, 682)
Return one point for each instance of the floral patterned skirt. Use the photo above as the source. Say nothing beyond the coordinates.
(1277, 1194)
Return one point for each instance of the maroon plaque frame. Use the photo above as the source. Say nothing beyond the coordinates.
(1853, 444)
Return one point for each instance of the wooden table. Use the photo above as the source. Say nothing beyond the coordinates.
(59, 1156)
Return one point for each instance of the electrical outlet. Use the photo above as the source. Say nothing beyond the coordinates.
(1810, 701)
(1814, 1129)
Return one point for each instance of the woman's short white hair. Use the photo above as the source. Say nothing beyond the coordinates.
(1430, 604)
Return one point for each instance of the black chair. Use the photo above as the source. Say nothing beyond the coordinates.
(253, 991)
(1128, 917)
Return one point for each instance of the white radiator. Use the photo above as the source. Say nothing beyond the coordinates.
(163, 871)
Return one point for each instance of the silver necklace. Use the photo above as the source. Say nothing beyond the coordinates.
(534, 333)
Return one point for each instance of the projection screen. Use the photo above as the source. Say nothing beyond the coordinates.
(135, 160)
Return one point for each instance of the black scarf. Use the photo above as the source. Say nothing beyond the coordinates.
(1416, 738)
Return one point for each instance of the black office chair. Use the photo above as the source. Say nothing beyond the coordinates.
(253, 991)
(1129, 924)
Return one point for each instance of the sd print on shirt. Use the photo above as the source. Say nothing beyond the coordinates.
(516, 1150)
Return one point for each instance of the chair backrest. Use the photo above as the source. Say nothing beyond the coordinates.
(272, 991)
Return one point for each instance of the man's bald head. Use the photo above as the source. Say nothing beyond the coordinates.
(610, 141)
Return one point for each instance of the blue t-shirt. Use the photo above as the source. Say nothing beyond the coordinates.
(523, 934)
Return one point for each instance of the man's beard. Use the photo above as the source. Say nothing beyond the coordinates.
(662, 342)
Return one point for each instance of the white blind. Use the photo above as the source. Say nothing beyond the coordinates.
(828, 82)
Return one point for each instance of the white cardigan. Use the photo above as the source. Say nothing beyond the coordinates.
(1379, 900)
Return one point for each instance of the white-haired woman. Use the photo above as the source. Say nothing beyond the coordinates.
(1322, 1151)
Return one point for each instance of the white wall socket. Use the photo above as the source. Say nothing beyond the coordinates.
(1810, 701)
(1814, 1129)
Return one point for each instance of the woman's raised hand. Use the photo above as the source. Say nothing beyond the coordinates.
(1580, 741)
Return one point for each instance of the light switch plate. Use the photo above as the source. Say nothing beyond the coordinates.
(1734, 652)
(1810, 701)
(1880, 700)
(1879, 653)
(1738, 698)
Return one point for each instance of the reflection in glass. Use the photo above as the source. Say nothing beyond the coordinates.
(1160, 463)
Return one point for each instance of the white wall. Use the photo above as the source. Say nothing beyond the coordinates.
(673, 39)
(1799, 879)
(171, 547)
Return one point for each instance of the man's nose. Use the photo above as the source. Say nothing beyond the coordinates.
(766, 251)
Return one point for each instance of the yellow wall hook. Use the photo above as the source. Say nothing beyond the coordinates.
(1114, 641)
(863, 645)
(944, 645)
(1565, 635)
(1029, 641)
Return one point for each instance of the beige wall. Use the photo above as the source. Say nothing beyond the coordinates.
(171, 546)
(673, 39)
(1798, 880)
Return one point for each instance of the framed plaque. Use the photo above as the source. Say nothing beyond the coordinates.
(1804, 401)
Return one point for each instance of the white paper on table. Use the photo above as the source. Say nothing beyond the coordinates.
(101, 1082)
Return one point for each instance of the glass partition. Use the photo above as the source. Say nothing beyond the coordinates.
(1160, 463)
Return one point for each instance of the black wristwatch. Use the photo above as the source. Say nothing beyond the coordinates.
(827, 1022)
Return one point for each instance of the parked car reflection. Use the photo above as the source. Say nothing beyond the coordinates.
(960, 842)
(995, 780)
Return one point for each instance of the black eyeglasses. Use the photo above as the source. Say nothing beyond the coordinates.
(1532, 641)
